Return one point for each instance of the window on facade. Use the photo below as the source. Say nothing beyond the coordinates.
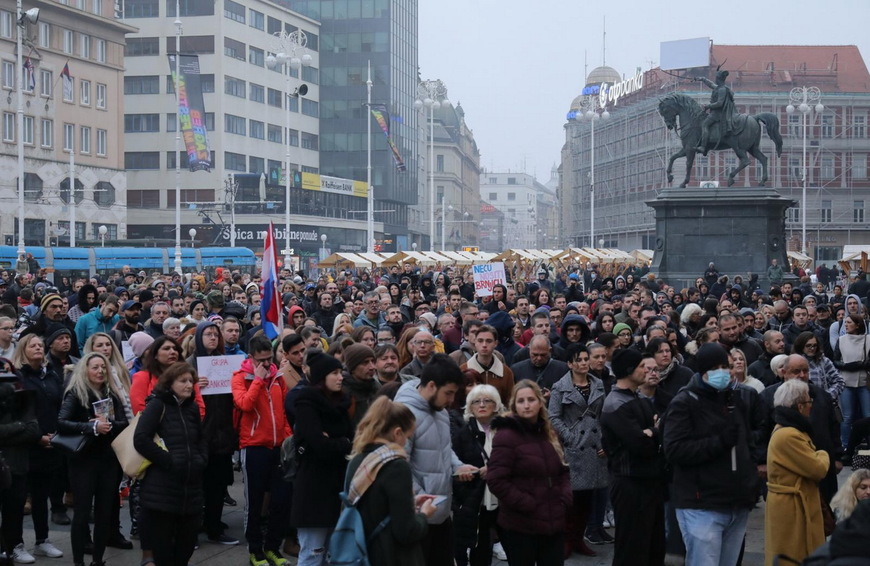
(256, 56)
(6, 19)
(826, 212)
(234, 48)
(85, 146)
(859, 166)
(235, 87)
(274, 98)
(234, 11)
(235, 161)
(191, 196)
(858, 212)
(256, 19)
(512, 196)
(142, 46)
(8, 75)
(111, 231)
(191, 7)
(310, 107)
(101, 51)
(69, 132)
(827, 169)
(256, 165)
(273, 25)
(493, 180)
(104, 193)
(309, 141)
(28, 130)
(47, 138)
(234, 124)
(138, 123)
(141, 8)
(142, 160)
(63, 225)
(8, 127)
(793, 214)
(85, 93)
(85, 42)
(46, 83)
(827, 126)
(512, 181)
(258, 130)
(101, 96)
(102, 142)
(275, 133)
(64, 191)
(143, 198)
(257, 93)
(198, 44)
(439, 163)
(67, 41)
(311, 75)
(493, 197)
(859, 129)
(44, 34)
(32, 187)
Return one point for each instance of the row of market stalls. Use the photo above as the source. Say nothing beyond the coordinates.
(606, 256)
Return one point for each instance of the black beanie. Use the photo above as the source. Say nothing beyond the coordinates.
(710, 355)
(625, 361)
(319, 366)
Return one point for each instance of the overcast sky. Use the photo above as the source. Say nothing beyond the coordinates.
(516, 65)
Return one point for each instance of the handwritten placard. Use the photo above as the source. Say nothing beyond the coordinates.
(219, 372)
(486, 276)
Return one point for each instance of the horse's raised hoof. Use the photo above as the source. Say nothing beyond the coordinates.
(683, 185)
(670, 178)
(730, 182)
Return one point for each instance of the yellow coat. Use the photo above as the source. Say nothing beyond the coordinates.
(793, 523)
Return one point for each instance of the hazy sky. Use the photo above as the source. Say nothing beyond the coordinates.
(516, 66)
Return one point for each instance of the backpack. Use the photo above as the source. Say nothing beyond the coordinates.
(290, 454)
(348, 545)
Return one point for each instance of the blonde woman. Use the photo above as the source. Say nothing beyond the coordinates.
(856, 488)
(102, 343)
(342, 325)
(92, 407)
(528, 474)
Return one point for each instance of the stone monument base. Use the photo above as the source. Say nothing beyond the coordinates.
(739, 229)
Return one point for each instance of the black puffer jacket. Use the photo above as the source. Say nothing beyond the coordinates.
(75, 418)
(218, 424)
(19, 429)
(468, 441)
(173, 482)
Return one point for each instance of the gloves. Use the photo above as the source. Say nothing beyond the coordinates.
(729, 434)
(851, 366)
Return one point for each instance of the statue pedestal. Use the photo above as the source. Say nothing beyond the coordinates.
(739, 229)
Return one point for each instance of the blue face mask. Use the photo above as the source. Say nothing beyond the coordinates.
(719, 379)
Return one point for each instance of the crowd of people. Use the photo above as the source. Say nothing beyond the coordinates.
(558, 414)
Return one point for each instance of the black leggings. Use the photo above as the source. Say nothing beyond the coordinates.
(12, 513)
(172, 537)
(93, 479)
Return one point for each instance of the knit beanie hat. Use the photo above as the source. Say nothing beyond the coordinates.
(46, 300)
(320, 365)
(620, 327)
(710, 355)
(146, 295)
(215, 299)
(355, 354)
(625, 361)
(60, 331)
(139, 342)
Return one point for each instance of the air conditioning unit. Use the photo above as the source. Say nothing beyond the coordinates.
(709, 185)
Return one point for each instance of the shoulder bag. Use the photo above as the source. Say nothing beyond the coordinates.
(134, 464)
(71, 444)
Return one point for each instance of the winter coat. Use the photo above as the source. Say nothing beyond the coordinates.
(218, 425)
(324, 430)
(852, 358)
(525, 473)
(141, 385)
(362, 394)
(391, 494)
(576, 422)
(552, 372)
(173, 482)
(74, 418)
(760, 370)
(793, 523)
(630, 452)
(19, 429)
(89, 324)
(261, 402)
(429, 450)
(700, 454)
(676, 379)
(498, 375)
(468, 441)
(824, 374)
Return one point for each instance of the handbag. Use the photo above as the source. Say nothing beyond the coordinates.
(827, 516)
(861, 458)
(71, 444)
(132, 463)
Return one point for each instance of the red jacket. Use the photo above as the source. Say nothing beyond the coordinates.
(261, 403)
(144, 382)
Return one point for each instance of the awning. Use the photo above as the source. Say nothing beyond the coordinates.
(801, 259)
(345, 259)
(373, 257)
(642, 255)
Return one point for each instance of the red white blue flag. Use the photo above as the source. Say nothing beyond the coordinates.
(270, 304)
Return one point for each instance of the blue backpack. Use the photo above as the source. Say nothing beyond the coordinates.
(348, 545)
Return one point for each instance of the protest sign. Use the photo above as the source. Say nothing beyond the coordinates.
(219, 372)
(486, 276)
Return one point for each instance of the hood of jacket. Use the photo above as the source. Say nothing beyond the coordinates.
(860, 302)
(501, 321)
(248, 367)
(200, 349)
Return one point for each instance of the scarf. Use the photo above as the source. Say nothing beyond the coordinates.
(787, 416)
(663, 373)
(368, 470)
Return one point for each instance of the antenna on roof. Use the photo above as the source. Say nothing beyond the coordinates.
(604, 41)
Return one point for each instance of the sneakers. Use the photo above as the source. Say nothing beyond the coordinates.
(60, 518)
(609, 521)
(257, 559)
(275, 559)
(21, 556)
(229, 501)
(45, 548)
(118, 541)
(224, 539)
(498, 551)
(594, 537)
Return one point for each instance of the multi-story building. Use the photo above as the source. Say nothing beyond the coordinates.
(79, 117)
(384, 34)
(455, 178)
(528, 207)
(246, 112)
(632, 148)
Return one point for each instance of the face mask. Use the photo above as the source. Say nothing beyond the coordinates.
(719, 379)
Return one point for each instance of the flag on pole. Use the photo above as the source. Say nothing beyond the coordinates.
(270, 304)
(67, 83)
(31, 79)
(382, 117)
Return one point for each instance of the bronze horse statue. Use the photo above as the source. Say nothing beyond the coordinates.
(745, 138)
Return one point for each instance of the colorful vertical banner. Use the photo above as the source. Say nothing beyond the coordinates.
(382, 116)
(191, 110)
(67, 83)
(271, 309)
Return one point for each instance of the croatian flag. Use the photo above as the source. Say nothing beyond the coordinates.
(270, 305)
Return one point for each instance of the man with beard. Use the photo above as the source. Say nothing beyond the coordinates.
(730, 337)
(423, 346)
(52, 317)
(774, 345)
(325, 315)
(359, 380)
(58, 345)
(129, 323)
(371, 316)
(386, 363)
(177, 307)
(540, 367)
(154, 325)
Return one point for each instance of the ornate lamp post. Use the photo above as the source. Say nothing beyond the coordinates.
(804, 97)
(591, 111)
(431, 94)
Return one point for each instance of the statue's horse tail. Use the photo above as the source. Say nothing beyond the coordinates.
(771, 122)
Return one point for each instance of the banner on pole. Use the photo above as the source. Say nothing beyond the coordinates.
(191, 110)
(487, 276)
(382, 116)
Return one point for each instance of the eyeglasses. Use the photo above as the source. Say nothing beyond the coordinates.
(478, 402)
(811, 345)
(7, 328)
(624, 334)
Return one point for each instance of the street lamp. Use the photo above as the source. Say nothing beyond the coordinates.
(102, 230)
(590, 110)
(291, 52)
(804, 97)
(192, 234)
(31, 16)
(431, 94)
(444, 212)
(322, 247)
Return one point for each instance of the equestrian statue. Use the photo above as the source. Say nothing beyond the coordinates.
(716, 126)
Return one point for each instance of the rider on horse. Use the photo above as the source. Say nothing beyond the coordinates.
(721, 109)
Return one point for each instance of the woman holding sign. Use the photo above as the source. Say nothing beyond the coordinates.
(219, 432)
